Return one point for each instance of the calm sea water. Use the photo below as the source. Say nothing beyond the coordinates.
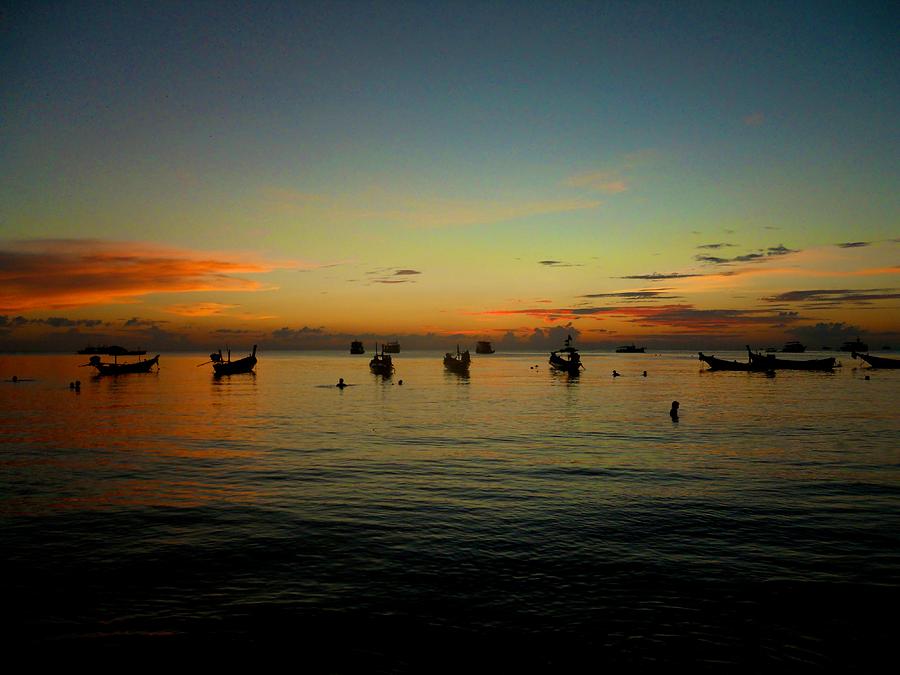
(513, 518)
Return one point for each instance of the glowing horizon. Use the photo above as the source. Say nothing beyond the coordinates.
(298, 177)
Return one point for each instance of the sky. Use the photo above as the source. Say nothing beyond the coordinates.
(298, 175)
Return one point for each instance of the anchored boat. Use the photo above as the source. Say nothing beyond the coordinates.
(458, 363)
(225, 366)
(878, 361)
(381, 364)
(116, 368)
(567, 359)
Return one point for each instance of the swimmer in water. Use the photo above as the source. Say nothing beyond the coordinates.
(340, 384)
(673, 413)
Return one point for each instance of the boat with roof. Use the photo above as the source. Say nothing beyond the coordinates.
(855, 346)
(381, 364)
(484, 347)
(567, 359)
(766, 362)
(793, 347)
(356, 347)
(116, 368)
(459, 362)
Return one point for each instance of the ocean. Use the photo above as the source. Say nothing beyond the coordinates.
(515, 518)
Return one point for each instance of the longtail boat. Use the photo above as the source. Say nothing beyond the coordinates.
(458, 363)
(225, 366)
(722, 364)
(877, 361)
(356, 347)
(569, 363)
(116, 368)
(769, 362)
(381, 364)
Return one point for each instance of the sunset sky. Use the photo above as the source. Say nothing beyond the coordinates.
(300, 174)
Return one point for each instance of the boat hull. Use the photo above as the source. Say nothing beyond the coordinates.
(769, 362)
(245, 365)
(722, 364)
(456, 365)
(564, 365)
(878, 361)
(126, 368)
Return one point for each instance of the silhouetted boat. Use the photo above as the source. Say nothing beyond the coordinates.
(112, 350)
(630, 349)
(458, 363)
(116, 368)
(567, 359)
(484, 347)
(225, 366)
(722, 364)
(768, 362)
(391, 348)
(356, 347)
(793, 347)
(380, 363)
(854, 346)
(878, 361)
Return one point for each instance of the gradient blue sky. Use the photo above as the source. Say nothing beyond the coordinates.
(335, 144)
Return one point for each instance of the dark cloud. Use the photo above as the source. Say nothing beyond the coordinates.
(779, 250)
(400, 273)
(836, 296)
(52, 321)
(854, 244)
(826, 334)
(391, 281)
(662, 277)
(634, 295)
(135, 322)
(556, 263)
(718, 245)
(294, 333)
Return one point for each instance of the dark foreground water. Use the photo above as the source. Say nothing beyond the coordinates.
(514, 519)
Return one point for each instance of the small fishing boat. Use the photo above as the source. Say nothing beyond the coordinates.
(391, 348)
(116, 368)
(793, 347)
(458, 363)
(722, 364)
(225, 366)
(567, 359)
(854, 346)
(768, 362)
(356, 347)
(484, 347)
(630, 349)
(381, 364)
(877, 361)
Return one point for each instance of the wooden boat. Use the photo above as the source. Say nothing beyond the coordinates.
(116, 368)
(567, 359)
(381, 364)
(854, 346)
(484, 347)
(391, 348)
(768, 362)
(630, 349)
(878, 361)
(793, 347)
(722, 364)
(112, 350)
(356, 347)
(225, 366)
(458, 363)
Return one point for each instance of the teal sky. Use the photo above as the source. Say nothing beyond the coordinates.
(463, 141)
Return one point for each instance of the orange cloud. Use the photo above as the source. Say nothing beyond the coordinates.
(60, 273)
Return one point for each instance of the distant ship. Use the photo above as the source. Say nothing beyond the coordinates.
(793, 347)
(391, 348)
(854, 346)
(484, 347)
(630, 349)
(356, 347)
